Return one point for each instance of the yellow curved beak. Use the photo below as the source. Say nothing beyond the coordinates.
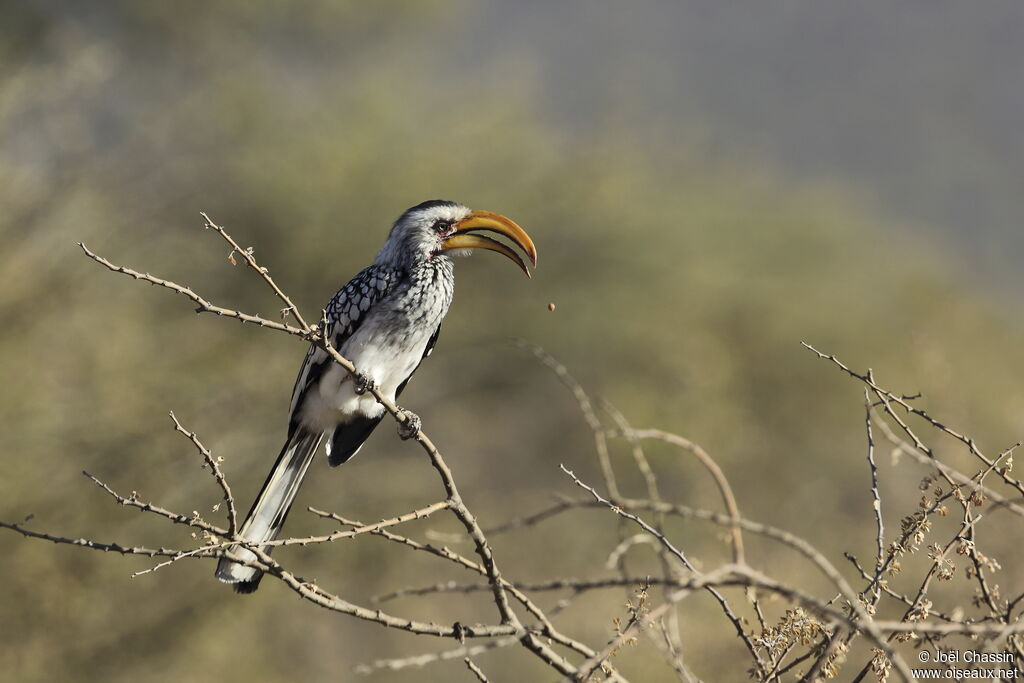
(489, 221)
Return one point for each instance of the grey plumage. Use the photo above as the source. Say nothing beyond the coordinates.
(385, 320)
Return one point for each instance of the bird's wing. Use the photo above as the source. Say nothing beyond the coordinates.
(345, 312)
(426, 352)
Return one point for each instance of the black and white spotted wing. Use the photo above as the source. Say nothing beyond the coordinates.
(345, 313)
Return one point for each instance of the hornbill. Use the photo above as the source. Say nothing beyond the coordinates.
(386, 320)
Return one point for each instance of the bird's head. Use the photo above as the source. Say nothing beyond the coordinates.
(440, 228)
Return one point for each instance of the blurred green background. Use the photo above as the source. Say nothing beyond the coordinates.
(707, 186)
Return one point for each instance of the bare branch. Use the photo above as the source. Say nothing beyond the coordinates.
(476, 670)
(218, 475)
(876, 498)
(903, 403)
(132, 500)
(92, 545)
(204, 306)
(250, 260)
(716, 473)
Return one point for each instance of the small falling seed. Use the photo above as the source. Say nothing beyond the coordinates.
(551, 307)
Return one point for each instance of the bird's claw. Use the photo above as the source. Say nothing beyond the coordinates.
(363, 383)
(410, 425)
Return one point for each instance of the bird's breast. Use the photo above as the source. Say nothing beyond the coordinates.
(387, 347)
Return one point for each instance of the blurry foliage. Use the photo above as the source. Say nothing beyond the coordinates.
(683, 285)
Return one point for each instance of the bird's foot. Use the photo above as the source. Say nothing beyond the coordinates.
(410, 425)
(363, 383)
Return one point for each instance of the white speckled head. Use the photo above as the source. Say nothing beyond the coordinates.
(417, 234)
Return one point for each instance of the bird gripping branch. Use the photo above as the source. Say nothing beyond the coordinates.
(386, 320)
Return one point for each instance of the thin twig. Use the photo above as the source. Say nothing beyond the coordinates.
(218, 475)
(204, 306)
(876, 498)
(900, 401)
(726, 608)
(250, 260)
(475, 669)
(547, 628)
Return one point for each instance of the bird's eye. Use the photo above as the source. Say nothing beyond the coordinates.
(442, 226)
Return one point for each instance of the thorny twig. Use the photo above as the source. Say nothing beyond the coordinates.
(214, 466)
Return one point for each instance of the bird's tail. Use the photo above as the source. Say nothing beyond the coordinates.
(268, 513)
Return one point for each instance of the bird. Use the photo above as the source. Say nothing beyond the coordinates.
(386, 320)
